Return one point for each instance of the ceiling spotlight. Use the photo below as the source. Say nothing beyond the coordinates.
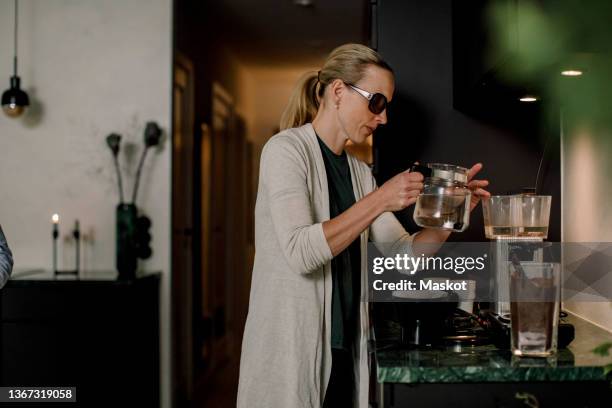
(571, 72)
(303, 3)
(528, 98)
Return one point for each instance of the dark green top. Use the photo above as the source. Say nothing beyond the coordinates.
(346, 266)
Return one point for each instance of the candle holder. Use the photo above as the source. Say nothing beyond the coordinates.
(54, 236)
(76, 234)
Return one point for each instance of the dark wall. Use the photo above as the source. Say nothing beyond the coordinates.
(200, 31)
(416, 38)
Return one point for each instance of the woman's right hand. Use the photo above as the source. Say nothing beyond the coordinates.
(401, 191)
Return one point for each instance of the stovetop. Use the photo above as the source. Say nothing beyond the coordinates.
(465, 329)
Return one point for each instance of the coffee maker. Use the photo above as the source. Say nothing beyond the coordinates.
(517, 226)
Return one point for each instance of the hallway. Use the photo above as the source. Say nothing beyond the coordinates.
(229, 93)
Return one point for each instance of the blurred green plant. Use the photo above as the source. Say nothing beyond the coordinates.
(533, 41)
(603, 350)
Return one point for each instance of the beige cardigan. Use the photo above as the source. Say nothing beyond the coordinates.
(286, 349)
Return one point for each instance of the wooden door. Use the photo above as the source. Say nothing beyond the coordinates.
(206, 305)
(182, 229)
(237, 277)
(219, 299)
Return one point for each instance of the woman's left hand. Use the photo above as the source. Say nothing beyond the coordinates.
(477, 186)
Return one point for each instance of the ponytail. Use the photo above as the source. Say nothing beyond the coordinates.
(303, 103)
(347, 62)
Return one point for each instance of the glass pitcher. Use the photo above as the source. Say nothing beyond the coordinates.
(445, 200)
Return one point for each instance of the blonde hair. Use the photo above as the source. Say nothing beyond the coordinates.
(346, 62)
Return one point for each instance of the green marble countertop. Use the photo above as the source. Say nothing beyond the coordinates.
(486, 363)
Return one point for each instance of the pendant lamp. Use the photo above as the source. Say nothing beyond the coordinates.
(15, 100)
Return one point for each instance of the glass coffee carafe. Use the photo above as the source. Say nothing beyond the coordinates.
(445, 200)
(527, 288)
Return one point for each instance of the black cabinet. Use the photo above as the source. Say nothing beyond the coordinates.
(98, 335)
(497, 395)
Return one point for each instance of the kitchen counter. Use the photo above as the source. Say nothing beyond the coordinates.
(487, 376)
(487, 363)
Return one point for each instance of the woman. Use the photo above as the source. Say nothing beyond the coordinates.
(305, 339)
(6, 260)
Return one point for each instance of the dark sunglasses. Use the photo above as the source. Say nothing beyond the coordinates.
(377, 102)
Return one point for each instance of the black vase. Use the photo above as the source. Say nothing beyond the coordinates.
(126, 250)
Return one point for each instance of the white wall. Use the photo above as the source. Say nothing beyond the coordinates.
(587, 194)
(91, 67)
